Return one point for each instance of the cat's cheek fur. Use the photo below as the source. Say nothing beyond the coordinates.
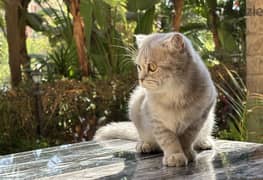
(150, 86)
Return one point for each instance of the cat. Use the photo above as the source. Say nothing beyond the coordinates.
(172, 108)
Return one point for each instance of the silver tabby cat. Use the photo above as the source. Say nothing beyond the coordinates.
(173, 106)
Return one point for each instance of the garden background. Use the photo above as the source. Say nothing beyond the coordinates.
(84, 51)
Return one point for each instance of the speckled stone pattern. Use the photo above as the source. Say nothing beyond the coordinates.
(117, 159)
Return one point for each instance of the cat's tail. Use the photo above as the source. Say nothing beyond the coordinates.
(119, 130)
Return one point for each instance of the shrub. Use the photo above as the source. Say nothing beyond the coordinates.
(71, 112)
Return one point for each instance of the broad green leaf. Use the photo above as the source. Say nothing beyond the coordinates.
(134, 5)
(145, 22)
(226, 38)
(102, 14)
(86, 9)
(100, 64)
(34, 21)
(2, 24)
(193, 26)
(115, 3)
(212, 4)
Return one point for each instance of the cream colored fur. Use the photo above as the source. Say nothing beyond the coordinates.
(121, 130)
(173, 107)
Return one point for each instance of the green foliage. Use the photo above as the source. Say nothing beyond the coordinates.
(63, 61)
(2, 20)
(197, 24)
(4, 68)
(58, 22)
(135, 5)
(71, 112)
(231, 26)
(86, 11)
(104, 30)
(2, 23)
(35, 21)
(233, 92)
(108, 48)
(38, 44)
(105, 46)
(109, 28)
(145, 22)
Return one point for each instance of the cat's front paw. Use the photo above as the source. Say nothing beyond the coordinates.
(144, 147)
(204, 144)
(191, 155)
(176, 159)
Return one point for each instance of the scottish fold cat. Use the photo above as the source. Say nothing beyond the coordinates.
(172, 109)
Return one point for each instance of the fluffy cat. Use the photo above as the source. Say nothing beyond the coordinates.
(173, 106)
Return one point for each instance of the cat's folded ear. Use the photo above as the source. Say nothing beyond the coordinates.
(174, 43)
(139, 39)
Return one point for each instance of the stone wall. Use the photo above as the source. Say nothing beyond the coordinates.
(254, 52)
(255, 46)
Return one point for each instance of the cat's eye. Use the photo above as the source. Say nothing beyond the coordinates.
(138, 67)
(152, 67)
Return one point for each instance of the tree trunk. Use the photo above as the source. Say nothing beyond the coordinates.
(213, 18)
(178, 7)
(79, 36)
(25, 60)
(12, 26)
(213, 28)
(16, 38)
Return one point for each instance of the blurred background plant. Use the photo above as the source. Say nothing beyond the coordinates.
(71, 109)
(85, 50)
(235, 106)
(232, 106)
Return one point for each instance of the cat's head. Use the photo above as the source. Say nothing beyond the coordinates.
(162, 57)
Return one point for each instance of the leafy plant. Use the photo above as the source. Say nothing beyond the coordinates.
(2, 20)
(106, 47)
(71, 112)
(63, 61)
(54, 21)
(4, 68)
(201, 19)
(232, 90)
(237, 107)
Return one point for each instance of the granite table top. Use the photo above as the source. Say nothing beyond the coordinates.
(117, 159)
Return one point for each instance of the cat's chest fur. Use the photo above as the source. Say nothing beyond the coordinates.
(170, 115)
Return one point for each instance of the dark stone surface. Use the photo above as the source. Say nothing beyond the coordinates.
(117, 159)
